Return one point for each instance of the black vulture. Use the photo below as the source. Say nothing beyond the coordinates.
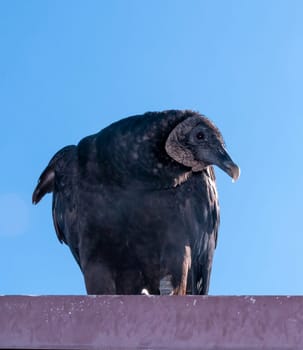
(137, 203)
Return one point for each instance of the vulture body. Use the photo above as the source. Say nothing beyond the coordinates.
(137, 203)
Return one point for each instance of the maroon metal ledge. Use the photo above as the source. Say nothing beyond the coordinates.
(143, 322)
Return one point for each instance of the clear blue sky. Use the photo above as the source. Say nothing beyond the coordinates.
(69, 68)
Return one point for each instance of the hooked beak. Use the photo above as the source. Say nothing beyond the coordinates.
(227, 165)
(232, 170)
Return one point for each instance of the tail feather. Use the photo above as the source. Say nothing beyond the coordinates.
(45, 184)
(46, 181)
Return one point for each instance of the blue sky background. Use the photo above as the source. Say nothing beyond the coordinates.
(69, 68)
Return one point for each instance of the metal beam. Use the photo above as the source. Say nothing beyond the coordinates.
(151, 322)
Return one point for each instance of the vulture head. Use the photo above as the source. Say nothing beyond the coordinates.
(197, 143)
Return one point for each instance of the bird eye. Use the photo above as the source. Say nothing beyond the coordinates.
(200, 135)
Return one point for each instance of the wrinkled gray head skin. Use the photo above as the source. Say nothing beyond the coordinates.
(197, 143)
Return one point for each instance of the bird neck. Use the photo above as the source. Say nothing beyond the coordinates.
(133, 151)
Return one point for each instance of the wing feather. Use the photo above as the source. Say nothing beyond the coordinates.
(205, 215)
